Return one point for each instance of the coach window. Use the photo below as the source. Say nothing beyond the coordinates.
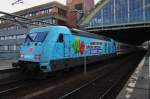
(60, 38)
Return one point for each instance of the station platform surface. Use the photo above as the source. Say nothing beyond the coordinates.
(138, 86)
(6, 64)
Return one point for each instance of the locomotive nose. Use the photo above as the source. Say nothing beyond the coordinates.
(31, 53)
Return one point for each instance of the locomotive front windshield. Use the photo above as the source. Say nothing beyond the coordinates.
(36, 37)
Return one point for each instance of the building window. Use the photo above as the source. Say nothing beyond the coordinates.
(2, 47)
(21, 36)
(12, 47)
(6, 47)
(2, 38)
(61, 12)
(46, 11)
(79, 6)
(43, 12)
(17, 27)
(33, 13)
(30, 14)
(6, 38)
(2, 21)
(14, 37)
(10, 36)
(38, 13)
(50, 10)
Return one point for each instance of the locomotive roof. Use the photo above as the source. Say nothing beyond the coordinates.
(80, 33)
(87, 34)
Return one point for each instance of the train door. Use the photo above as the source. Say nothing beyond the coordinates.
(59, 46)
(67, 45)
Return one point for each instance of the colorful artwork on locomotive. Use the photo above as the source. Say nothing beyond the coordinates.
(95, 47)
(78, 46)
(55, 48)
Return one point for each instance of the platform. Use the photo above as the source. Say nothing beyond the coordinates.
(138, 86)
(6, 64)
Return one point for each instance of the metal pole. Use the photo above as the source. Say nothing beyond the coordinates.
(149, 66)
(144, 17)
(115, 11)
(85, 70)
(128, 11)
(149, 58)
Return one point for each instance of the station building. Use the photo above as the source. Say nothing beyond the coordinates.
(13, 34)
(108, 13)
(124, 20)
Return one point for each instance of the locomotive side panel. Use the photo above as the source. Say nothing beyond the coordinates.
(74, 48)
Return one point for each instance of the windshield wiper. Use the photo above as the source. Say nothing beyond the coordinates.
(28, 36)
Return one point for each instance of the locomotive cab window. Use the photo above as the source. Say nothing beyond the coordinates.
(60, 38)
(36, 37)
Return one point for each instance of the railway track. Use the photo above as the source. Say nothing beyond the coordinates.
(7, 87)
(93, 89)
(66, 86)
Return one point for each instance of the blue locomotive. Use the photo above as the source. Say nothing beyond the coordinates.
(55, 48)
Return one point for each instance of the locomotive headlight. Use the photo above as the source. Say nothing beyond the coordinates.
(21, 56)
(37, 57)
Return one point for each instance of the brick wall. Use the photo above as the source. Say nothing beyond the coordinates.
(85, 5)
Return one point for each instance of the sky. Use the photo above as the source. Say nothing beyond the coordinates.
(6, 5)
